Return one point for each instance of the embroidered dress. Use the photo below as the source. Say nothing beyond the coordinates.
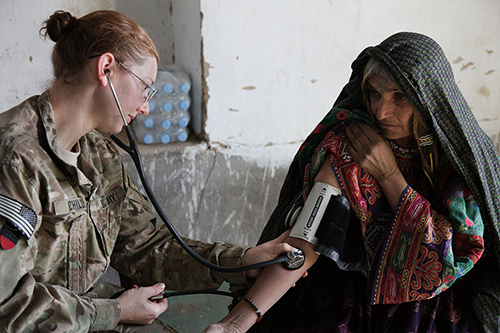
(416, 252)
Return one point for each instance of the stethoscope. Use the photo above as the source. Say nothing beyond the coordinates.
(292, 260)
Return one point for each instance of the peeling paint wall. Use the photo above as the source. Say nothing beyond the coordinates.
(24, 55)
(276, 67)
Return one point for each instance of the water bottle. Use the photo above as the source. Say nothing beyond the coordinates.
(165, 82)
(148, 125)
(153, 106)
(166, 123)
(143, 134)
(178, 134)
(146, 121)
(180, 117)
(169, 109)
(183, 102)
(161, 102)
(167, 106)
(184, 81)
(156, 137)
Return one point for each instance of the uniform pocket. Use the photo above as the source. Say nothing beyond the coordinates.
(108, 218)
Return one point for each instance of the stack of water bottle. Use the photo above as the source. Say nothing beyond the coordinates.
(168, 109)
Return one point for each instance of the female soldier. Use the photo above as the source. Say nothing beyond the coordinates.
(412, 241)
(69, 210)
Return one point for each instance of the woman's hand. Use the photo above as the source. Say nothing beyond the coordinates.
(266, 251)
(373, 153)
(137, 309)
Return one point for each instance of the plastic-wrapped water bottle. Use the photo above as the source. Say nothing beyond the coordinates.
(184, 81)
(157, 137)
(166, 123)
(167, 106)
(169, 109)
(155, 134)
(178, 134)
(152, 123)
(180, 117)
(161, 135)
(152, 106)
(146, 121)
(165, 82)
(183, 85)
(161, 102)
(183, 102)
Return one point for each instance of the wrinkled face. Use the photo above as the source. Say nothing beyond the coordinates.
(391, 110)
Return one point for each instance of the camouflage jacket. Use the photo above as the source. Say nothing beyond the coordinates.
(63, 225)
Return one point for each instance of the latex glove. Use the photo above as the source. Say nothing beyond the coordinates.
(137, 309)
(266, 251)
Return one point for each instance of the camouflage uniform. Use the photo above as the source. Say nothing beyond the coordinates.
(72, 223)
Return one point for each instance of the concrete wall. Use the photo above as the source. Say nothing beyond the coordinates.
(25, 56)
(275, 62)
(264, 73)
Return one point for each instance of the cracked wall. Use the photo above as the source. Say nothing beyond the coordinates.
(209, 194)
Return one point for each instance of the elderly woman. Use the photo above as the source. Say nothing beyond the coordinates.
(412, 243)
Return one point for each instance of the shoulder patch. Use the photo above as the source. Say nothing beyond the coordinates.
(9, 236)
(22, 218)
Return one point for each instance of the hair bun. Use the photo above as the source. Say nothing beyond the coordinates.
(58, 24)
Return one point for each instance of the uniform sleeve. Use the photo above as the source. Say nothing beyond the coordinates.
(428, 247)
(148, 254)
(25, 304)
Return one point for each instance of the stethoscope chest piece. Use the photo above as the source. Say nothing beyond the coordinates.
(295, 260)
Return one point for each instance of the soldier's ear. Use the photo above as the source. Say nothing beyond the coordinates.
(106, 65)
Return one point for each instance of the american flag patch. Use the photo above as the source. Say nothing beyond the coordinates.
(20, 216)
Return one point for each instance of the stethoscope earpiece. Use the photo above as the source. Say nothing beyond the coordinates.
(107, 72)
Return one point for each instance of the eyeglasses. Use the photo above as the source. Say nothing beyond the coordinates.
(151, 90)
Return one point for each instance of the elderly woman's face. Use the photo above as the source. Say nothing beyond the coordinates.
(391, 110)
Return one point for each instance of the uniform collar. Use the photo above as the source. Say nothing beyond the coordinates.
(48, 120)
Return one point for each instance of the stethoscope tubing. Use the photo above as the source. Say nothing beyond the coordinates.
(133, 151)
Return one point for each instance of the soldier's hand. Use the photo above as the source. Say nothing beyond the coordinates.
(137, 309)
(266, 251)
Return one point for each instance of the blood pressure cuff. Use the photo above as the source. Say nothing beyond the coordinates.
(340, 238)
(324, 221)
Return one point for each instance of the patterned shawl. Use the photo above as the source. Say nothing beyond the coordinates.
(421, 69)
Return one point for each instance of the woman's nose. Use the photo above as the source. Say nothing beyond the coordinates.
(384, 108)
(143, 108)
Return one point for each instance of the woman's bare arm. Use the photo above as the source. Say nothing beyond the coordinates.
(275, 280)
